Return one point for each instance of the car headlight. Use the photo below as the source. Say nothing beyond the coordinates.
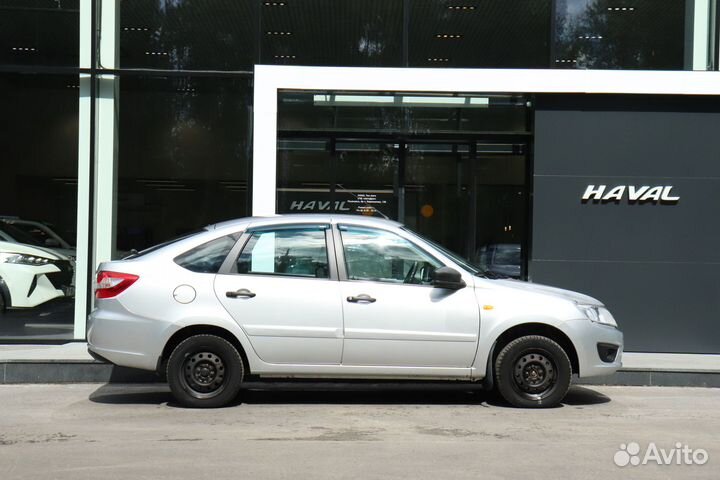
(23, 259)
(598, 314)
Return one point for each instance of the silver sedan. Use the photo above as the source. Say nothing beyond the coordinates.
(340, 297)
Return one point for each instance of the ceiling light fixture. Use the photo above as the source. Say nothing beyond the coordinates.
(285, 57)
(278, 33)
(461, 7)
(275, 4)
(565, 60)
(590, 37)
(435, 59)
(24, 49)
(157, 53)
(621, 9)
(135, 29)
(447, 35)
(401, 101)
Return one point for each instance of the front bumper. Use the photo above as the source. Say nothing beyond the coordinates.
(586, 336)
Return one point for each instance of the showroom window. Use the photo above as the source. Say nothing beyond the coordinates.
(38, 206)
(453, 167)
(39, 183)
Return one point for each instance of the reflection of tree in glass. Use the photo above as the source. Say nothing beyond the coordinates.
(189, 34)
(372, 39)
(594, 35)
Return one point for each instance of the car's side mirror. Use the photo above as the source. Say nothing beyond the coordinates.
(446, 277)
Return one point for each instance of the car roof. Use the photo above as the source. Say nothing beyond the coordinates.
(304, 218)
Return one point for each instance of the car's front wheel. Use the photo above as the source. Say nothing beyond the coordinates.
(533, 371)
(205, 371)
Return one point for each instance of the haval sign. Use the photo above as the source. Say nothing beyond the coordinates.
(631, 193)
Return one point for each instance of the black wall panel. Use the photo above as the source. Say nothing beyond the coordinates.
(654, 264)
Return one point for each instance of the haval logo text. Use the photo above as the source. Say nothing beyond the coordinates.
(319, 205)
(645, 193)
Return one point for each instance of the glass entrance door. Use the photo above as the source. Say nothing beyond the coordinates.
(468, 196)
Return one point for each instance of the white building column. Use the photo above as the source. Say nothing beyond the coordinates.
(264, 147)
(82, 240)
(700, 34)
(106, 135)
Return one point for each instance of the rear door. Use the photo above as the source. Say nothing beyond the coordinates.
(282, 289)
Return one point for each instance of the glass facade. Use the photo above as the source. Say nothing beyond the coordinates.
(183, 156)
(39, 32)
(606, 34)
(235, 35)
(130, 122)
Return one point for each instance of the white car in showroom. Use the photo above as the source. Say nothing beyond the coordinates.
(340, 297)
(31, 275)
(30, 232)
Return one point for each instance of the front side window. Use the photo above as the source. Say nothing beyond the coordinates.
(380, 256)
(297, 252)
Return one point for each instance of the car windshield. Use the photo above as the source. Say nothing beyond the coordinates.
(20, 235)
(508, 255)
(463, 262)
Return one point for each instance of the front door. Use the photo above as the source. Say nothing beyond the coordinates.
(285, 295)
(393, 315)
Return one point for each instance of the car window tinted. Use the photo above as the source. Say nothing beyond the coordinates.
(208, 257)
(299, 252)
(383, 256)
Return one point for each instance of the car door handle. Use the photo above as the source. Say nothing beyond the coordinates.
(243, 292)
(361, 298)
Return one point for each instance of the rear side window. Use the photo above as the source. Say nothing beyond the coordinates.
(208, 257)
(296, 252)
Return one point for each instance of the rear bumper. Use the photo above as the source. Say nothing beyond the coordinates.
(110, 333)
(586, 336)
(97, 357)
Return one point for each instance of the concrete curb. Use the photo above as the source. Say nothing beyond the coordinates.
(29, 371)
(71, 372)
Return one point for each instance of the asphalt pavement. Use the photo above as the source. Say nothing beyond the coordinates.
(81, 431)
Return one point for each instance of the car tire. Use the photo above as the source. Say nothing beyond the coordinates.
(2, 303)
(205, 371)
(533, 372)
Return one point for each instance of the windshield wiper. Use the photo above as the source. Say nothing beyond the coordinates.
(491, 275)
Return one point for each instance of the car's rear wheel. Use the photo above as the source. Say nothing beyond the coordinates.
(533, 371)
(205, 371)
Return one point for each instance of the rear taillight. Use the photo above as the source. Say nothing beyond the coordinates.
(111, 284)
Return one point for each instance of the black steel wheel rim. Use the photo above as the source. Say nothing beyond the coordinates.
(534, 374)
(203, 374)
